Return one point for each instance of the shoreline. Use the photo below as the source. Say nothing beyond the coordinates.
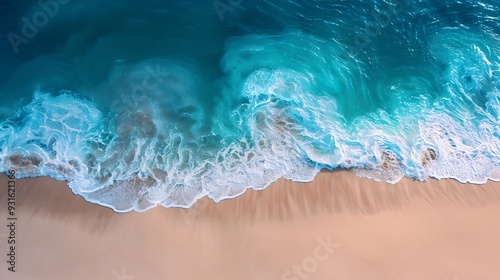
(354, 181)
(410, 230)
(351, 186)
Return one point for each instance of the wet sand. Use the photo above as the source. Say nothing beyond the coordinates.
(337, 227)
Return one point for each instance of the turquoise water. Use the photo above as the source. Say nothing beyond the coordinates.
(138, 104)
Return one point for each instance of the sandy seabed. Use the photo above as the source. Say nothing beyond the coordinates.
(337, 227)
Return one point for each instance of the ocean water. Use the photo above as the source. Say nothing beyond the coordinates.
(145, 103)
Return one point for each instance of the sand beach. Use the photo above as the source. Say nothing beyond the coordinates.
(337, 227)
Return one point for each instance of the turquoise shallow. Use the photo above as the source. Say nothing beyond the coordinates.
(145, 103)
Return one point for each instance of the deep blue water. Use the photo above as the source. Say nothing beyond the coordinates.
(140, 103)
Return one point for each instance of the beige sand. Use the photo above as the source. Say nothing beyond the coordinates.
(337, 227)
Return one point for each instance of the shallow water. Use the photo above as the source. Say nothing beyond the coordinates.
(164, 102)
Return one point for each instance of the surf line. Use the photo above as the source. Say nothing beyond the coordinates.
(11, 220)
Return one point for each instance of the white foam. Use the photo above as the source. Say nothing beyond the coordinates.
(152, 149)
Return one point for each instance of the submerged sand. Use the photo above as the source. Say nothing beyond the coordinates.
(337, 227)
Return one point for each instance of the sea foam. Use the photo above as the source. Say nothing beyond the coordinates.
(286, 104)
